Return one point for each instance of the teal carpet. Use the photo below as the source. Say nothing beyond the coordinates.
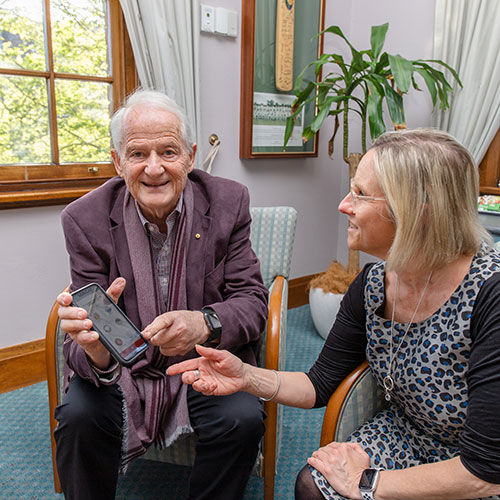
(25, 458)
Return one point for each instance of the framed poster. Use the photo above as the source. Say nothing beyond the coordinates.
(277, 42)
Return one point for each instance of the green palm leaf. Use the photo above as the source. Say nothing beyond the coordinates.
(371, 78)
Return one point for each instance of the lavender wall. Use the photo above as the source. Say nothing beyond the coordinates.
(33, 261)
(313, 186)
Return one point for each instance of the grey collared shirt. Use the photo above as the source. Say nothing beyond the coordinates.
(162, 244)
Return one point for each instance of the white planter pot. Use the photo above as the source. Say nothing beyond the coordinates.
(324, 308)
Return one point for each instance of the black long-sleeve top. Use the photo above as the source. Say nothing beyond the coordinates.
(479, 439)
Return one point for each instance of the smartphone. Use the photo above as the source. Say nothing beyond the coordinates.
(117, 333)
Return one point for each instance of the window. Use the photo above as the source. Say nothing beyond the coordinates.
(65, 65)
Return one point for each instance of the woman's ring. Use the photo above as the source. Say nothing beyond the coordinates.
(196, 374)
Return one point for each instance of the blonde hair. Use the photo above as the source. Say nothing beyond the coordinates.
(431, 184)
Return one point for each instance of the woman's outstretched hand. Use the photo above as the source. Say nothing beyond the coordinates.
(215, 373)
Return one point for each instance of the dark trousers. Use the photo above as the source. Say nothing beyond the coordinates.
(89, 437)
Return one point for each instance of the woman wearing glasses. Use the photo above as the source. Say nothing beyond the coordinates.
(427, 319)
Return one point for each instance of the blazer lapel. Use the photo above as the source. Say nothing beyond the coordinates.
(197, 242)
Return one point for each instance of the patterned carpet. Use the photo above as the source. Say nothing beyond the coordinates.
(25, 459)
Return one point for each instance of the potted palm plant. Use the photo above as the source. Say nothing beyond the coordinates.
(361, 86)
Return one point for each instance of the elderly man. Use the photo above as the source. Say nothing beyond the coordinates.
(171, 245)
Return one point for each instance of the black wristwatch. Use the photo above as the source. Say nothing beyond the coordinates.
(214, 325)
(368, 483)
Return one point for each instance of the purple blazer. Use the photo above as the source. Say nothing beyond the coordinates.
(222, 270)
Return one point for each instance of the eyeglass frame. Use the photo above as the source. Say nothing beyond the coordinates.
(356, 197)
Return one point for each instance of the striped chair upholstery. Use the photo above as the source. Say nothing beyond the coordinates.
(272, 237)
(357, 399)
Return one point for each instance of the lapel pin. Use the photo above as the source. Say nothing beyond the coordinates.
(197, 236)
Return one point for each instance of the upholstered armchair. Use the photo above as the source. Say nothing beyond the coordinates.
(272, 236)
(357, 399)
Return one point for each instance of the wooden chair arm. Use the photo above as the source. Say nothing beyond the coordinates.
(272, 363)
(51, 363)
(274, 324)
(332, 412)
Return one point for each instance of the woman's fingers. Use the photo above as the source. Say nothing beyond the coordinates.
(210, 353)
(183, 366)
(203, 386)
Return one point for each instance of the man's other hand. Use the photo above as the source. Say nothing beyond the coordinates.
(177, 332)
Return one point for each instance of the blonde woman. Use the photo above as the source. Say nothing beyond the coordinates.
(427, 319)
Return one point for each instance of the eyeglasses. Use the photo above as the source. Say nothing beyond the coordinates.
(360, 197)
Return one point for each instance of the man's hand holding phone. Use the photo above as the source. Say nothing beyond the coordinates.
(75, 322)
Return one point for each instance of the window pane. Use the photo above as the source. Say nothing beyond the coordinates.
(83, 111)
(21, 34)
(24, 122)
(79, 36)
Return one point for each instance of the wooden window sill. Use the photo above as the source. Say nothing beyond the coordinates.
(45, 193)
(489, 190)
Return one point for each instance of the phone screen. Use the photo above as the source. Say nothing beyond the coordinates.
(116, 331)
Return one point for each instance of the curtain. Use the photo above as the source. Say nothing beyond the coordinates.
(467, 37)
(165, 40)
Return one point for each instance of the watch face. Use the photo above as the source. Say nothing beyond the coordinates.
(213, 323)
(367, 479)
(213, 320)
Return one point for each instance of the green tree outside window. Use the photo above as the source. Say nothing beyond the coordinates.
(74, 52)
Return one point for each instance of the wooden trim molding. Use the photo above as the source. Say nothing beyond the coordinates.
(298, 294)
(22, 365)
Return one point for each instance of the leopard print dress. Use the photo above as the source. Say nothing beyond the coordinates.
(428, 404)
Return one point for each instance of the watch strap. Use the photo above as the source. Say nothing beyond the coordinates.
(213, 323)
